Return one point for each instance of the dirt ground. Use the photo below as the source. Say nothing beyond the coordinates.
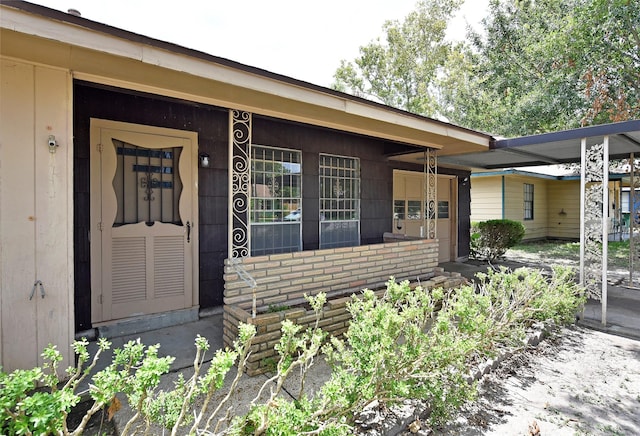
(577, 382)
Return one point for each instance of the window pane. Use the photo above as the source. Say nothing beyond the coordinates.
(270, 239)
(443, 209)
(339, 234)
(339, 199)
(528, 201)
(147, 184)
(413, 210)
(398, 209)
(276, 212)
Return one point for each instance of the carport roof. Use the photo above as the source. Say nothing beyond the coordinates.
(552, 148)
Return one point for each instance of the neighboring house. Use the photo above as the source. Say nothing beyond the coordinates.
(548, 205)
(132, 169)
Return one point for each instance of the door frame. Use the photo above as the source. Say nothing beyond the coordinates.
(452, 182)
(97, 250)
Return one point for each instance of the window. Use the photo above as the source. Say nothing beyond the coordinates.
(443, 209)
(625, 202)
(528, 201)
(398, 214)
(146, 184)
(339, 201)
(414, 209)
(276, 200)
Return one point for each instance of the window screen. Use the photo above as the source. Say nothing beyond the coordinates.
(339, 201)
(276, 200)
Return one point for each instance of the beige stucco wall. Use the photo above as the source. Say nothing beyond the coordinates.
(36, 214)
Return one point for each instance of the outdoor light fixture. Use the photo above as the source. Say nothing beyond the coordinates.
(205, 160)
(53, 145)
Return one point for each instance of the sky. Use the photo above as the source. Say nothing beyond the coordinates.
(302, 39)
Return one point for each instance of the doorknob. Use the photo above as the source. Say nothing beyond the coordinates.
(188, 232)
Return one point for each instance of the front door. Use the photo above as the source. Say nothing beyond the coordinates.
(409, 209)
(144, 201)
(446, 220)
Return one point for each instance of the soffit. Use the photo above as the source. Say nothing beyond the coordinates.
(553, 148)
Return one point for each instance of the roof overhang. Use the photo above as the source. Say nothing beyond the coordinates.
(553, 148)
(103, 54)
(532, 174)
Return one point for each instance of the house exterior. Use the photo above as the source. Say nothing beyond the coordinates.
(134, 172)
(548, 205)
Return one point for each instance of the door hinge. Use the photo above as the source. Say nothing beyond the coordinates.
(100, 298)
(99, 148)
(100, 226)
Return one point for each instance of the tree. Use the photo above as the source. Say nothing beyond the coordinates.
(545, 65)
(403, 70)
(537, 66)
(608, 39)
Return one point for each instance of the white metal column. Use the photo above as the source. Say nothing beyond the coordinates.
(605, 228)
(594, 229)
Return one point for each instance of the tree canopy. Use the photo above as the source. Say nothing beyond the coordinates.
(537, 65)
(402, 70)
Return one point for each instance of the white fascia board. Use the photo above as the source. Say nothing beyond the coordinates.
(93, 40)
(74, 35)
(23, 22)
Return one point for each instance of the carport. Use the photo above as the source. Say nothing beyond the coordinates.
(593, 147)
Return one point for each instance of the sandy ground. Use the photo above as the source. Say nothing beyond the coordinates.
(577, 382)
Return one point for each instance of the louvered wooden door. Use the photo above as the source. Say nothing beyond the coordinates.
(148, 240)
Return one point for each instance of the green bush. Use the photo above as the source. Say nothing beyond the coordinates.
(407, 344)
(491, 239)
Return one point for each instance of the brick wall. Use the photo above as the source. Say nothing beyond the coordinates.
(283, 279)
(333, 319)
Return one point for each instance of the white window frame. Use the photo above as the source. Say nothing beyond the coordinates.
(275, 194)
(329, 206)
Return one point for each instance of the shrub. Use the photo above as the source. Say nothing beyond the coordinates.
(407, 344)
(491, 239)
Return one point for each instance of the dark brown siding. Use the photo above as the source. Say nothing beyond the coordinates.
(211, 124)
(376, 173)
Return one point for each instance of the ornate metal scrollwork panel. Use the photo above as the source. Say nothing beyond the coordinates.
(431, 192)
(595, 165)
(240, 173)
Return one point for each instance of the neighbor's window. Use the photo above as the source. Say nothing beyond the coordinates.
(528, 201)
(276, 200)
(339, 201)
